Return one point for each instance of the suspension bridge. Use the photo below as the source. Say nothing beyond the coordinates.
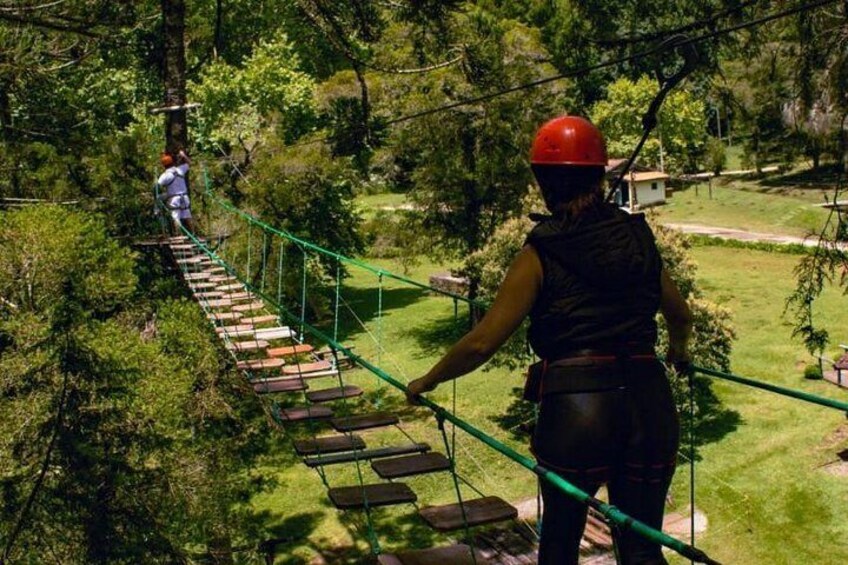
(258, 288)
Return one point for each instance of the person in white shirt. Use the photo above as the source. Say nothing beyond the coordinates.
(174, 190)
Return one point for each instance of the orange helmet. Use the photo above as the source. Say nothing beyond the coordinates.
(167, 160)
(569, 140)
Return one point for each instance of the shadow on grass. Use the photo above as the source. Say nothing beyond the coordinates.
(439, 335)
(821, 178)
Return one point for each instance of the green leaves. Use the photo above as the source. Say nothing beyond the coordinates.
(681, 132)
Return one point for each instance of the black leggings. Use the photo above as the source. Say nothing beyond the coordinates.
(626, 438)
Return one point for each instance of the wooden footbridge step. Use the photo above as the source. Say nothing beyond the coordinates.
(290, 350)
(383, 494)
(350, 457)
(408, 466)
(329, 444)
(249, 307)
(256, 320)
(336, 393)
(459, 554)
(260, 364)
(364, 421)
(269, 387)
(487, 510)
(298, 368)
(303, 413)
(252, 345)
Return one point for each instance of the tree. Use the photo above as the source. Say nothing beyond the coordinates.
(466, 169)
(122, 446)
(681, 132)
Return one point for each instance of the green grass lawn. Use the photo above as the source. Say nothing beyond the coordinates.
(741, 204)
(369, 204)
(766, 499)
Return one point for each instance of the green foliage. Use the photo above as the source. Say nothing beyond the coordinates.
(813, 372)
(681, 132)
(715, 157)
(267, 89)
(120, 415)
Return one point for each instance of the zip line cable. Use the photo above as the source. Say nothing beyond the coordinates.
(590, 68)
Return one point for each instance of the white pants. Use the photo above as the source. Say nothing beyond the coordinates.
(179, 207)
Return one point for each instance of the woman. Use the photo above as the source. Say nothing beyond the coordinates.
(591, 279)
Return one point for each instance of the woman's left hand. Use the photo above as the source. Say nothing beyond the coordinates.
(419, 387)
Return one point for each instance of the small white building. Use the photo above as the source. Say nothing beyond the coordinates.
(640, 189)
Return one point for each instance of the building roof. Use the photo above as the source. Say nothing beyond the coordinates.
(648, 175)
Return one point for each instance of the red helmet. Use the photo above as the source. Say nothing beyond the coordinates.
(167, 160)
(569, 140)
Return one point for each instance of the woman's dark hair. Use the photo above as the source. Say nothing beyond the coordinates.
(569, 189)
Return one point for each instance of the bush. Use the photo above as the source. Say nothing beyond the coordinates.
(813, 372)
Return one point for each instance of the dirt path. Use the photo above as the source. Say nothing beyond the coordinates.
(742, 235)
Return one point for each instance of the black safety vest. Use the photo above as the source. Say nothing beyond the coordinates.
(601, 286)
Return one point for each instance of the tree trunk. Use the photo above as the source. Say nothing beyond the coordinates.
(174, 74)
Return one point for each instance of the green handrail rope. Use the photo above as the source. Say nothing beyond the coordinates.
(249, 248)
(336, 304)
(612, 513)
(264, 257)
(343, 258)
(303, 293)
(379, 271)
(280, 271)
(691, 379)
(800, 395)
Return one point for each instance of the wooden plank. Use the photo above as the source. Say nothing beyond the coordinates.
(226, 287)
(202, 285)
(221, 303)
(412, 465)
(335, 393)
(328, 444)
(259, 364)
(234, 331)
(298, 368)
(350, 457)
(487, 510)
(303, 413)
(224, 316)
(250, 306)
(267, 318)
(383, 494)
(208, 295)
(252, 345)
(290, 350)
(459, 554)
(196, 276)
(262, 386)
(223, 279)
(363, 421)
(281, 332)
(242, 295)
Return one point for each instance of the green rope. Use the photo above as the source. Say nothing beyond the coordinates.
(318, 249)
(610, 512)
(336, 305)
(280, 271)
(812, 398)
(452, 460)
(249, 247)
(264, 258)
(691, 378)
(303, 294)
